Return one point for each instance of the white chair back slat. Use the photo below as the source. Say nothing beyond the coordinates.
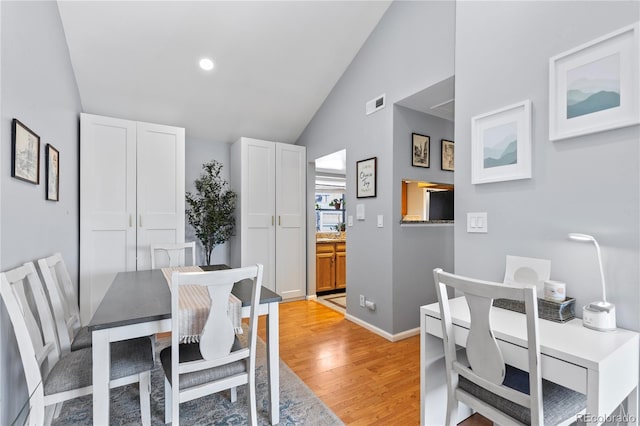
(483, 353)
(217, 338)
(62, 298)
(172, 254)
(36, 338)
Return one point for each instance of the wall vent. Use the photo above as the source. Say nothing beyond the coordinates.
(375, 104)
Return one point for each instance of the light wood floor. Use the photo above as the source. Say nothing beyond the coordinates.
(362, 377)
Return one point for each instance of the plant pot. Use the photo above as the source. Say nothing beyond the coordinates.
(336, 206)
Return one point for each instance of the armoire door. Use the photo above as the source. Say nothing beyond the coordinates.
(160, 188)
(258, 208)
(291, 253)
(107, 206)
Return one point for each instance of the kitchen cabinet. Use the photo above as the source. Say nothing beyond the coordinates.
(270, 180)
(331, 266)
(131, 195)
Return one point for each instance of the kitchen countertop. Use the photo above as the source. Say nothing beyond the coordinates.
(331, 240)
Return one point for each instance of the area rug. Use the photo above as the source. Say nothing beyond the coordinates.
(298, 404)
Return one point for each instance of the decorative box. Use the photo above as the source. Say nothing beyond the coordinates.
(547, 309)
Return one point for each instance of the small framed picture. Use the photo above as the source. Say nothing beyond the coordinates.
(420, 153)
(25, 153)
(366, 175)
(501, 144)
(596, 86)
(52, 162)
(447, 151)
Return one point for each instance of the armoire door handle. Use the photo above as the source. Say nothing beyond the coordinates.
(140, 222)
(130, 220)
(279, 220)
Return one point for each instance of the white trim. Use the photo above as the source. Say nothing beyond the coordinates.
(390, 337)
(312, 297)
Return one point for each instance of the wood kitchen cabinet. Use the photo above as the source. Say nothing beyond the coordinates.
(330, 266)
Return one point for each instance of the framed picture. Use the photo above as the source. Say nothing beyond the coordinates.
(595, 86)
(446, 153)
(366, 175)
(25, 153)
(420, 150)
(52, 162)
(501, 144)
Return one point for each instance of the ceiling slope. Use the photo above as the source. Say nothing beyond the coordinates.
(275, 62)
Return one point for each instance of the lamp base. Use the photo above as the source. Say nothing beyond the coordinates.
(600, 316)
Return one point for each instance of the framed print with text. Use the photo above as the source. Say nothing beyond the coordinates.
(366, 175)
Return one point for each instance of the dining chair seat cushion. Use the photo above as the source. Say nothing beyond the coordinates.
(75, 369)
(191, 352)
(82, 339)
(559, 403)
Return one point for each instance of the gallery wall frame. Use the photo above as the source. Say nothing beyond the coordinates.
(25, 153)
(595, 86)
(501, 144)
(366, 178)
(447, 155)
(420, 150)
(52, 177)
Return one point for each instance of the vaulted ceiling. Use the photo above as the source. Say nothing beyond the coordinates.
(275, 62)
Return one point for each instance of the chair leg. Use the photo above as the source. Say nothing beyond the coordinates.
(234, 394)
(57, 411)
(251, 399)
(167, 401)
(452, 411)
(175, 405)
(145, 397)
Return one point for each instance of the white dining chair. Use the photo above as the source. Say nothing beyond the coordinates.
(219, 361)
(53, 378)
(172, 254)
(502, 393)
(64, 304)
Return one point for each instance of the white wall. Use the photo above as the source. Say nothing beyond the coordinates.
(38, 88)
(410, 49)
(417, 250)
(588, 184)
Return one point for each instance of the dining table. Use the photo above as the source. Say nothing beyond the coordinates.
(138, 303)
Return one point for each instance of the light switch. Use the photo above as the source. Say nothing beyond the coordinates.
(477, 222)
(349, 220)
(380, 221)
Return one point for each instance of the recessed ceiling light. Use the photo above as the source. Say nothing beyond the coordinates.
(206, 64)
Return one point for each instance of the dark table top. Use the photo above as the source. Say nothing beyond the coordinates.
(142, 296)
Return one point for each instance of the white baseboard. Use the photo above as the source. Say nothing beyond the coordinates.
(312, 297)
(390, 337)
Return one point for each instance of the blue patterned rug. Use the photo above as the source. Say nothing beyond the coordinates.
(298, 404)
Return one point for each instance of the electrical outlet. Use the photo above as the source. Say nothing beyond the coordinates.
(362, 300)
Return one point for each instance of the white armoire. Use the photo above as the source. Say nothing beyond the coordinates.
(131, 195)
(270, 180)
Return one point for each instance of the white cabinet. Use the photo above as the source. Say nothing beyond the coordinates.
(131, 195)
(270, 180)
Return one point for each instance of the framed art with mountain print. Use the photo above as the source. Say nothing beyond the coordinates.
(501, 144)
(595, 87)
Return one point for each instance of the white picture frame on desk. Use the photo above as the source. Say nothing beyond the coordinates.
(595, 86)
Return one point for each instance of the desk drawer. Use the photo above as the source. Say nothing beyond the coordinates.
(553, 369)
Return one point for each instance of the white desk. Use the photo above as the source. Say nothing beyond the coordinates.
(602, 365)
(139, 304)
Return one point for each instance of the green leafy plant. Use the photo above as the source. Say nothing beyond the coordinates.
(340, 227)
(335, 203)
(210, 209)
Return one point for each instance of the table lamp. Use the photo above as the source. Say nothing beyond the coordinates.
(600, 315)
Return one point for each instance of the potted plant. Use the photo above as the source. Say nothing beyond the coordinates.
(335, 203)
(340, 227)
(210, 210)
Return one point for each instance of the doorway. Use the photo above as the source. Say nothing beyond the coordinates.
(330, 230)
